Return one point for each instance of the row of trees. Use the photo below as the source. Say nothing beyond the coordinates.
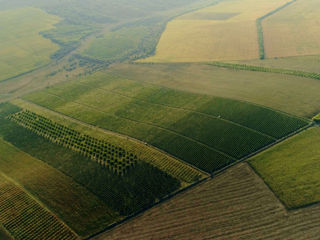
(107, 155)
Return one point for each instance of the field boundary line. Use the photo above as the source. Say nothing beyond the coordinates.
(150, 124)
(262, 53)
(36, 199)
(139, 213)
(246, 158)
(222, 65)
(182, 109)
(109, 132)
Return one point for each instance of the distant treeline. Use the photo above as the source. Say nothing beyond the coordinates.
(265, 69)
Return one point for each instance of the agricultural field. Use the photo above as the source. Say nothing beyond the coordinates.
(226, 31)
(234, 205)
(56, 191)
(22, 48)
(99, 203)
(25, 218)
(291, 169)
(216, 131)
(277, 91)
(290, 33)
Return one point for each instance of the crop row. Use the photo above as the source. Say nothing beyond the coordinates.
(114, 158)
(26, 219)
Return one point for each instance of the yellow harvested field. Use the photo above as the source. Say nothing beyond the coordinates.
(22, 48)
(294, 31)
(226, 31)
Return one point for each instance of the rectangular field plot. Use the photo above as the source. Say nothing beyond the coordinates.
(24, 218)
(293, 31)
(205, 131)
(225, 31)
(292, 169)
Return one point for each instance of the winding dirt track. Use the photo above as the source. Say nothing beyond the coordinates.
(234, 205)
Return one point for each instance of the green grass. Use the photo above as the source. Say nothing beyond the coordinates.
(137, 189)
(205, 131)
(22, 47)
(291, 169)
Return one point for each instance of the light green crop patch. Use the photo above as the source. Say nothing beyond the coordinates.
(22, 48)
(292, 169)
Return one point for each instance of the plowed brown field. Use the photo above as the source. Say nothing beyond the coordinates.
(235, 205)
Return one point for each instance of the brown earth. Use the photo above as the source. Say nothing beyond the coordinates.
(235, 205)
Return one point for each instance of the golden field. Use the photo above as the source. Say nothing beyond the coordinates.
(226, 31)
(291, 33)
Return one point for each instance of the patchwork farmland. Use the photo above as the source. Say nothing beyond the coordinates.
(103, 204)
(277, 91)
(172, 119)
(291, 169)
(234, 205)
(209, 34)
(215, 131)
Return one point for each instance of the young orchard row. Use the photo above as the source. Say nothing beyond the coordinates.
(114, 158)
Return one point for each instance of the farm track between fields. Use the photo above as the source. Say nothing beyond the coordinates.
(180, 109)
(149, 124)
(71, 119)
(262, 52)
(234, 205)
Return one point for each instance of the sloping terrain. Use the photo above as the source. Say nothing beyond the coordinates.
(277, 91)
(207, 132)
(234, 205)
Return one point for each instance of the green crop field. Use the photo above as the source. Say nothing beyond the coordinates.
(56, 191)
(216, 131)
(25, 218)
(291, 169)
(277, 91)
(137, 188)
(184, 173)
(22, 48)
